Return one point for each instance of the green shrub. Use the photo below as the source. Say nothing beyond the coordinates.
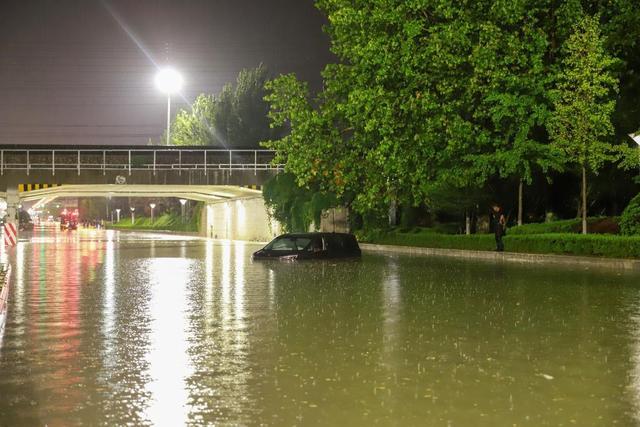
(576, 244)
(553, 243)
(295, 207)
(599, 225)
(630, 219)
(428, 238)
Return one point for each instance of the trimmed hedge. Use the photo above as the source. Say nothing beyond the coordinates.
(556, 243)
(478, 242)
(430, 239)
(599, 225)
(576, 244)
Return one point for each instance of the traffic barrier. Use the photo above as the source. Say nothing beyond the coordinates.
(22, 188)
(5, 281)
(10, 234)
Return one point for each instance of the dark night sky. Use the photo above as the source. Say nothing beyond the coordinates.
(69, 74)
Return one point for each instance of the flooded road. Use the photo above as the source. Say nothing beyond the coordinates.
(116, 328)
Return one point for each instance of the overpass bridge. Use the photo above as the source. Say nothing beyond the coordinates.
(134, 165)
(227, 181)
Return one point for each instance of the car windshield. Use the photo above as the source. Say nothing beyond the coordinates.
(288, 244)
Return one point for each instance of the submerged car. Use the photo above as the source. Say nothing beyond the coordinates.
(310, 246)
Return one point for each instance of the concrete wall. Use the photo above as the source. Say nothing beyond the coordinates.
(240, 219)
(335, 220)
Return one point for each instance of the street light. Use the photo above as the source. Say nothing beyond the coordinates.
(133, 215)
(118, 214)
(152, 206)
(169, 81)
(182, 202)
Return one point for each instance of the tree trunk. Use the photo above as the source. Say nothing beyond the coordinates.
(584, 200)
(467, 224)
(393, 213)
(520, 191)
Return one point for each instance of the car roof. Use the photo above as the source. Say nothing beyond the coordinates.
(314, 234)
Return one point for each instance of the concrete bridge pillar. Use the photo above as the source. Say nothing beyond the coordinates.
(13, 200)
(240, 219)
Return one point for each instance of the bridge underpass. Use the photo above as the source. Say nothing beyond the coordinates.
(230, 212)
(221, 179)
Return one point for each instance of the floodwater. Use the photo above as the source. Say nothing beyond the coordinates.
(109, 328)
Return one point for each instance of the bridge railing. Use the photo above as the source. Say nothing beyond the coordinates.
(128, 160)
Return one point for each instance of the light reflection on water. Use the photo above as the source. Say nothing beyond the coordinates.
(167, 353)
(121, 328)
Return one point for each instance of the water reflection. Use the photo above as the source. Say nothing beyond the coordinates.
(109, 306)
(167, 357)
(219, 331)
(391, 303)
(120, 329)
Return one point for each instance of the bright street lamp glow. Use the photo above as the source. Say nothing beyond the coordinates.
(169, 81)
(183, 201)
(635, 137)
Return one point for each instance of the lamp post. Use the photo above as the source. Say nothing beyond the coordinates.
(118, 214)
(133, 215)
(182, 202)
(152, 206)
(169, 81)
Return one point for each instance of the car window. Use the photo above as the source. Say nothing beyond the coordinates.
(282, 244)
(337, 243)
(316, 245)
(302, 243)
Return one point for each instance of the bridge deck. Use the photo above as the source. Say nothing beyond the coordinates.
(128, 159)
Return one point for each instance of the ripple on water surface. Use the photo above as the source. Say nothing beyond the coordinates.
(131, 328)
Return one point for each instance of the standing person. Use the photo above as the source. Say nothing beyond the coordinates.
(499, 223)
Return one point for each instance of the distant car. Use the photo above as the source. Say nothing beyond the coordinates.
(26, 226)
(69, 220)
(310, 246)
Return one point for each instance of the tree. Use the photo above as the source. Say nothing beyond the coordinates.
(511, 72)
(234, 118)
(194, 127)
(250, 108)
(294, 207)
(584, 103)
(630, 157)
(397, 105)
(427, 94)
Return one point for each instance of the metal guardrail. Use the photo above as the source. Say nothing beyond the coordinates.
(136, 159)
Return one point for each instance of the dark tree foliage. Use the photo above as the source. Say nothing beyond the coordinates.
(294, 207)
(429, 95)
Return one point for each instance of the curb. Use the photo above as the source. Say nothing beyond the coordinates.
(5, 281)
(146, 230)
(511, 257)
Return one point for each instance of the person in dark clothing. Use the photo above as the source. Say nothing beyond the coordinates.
(499, 223)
